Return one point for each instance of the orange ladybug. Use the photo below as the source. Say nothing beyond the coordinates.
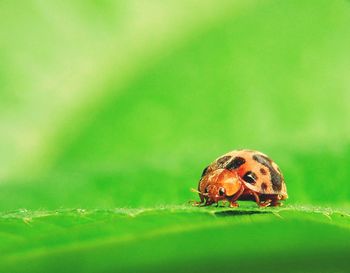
(242, 175)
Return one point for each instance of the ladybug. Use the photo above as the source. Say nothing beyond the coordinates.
(242, 175)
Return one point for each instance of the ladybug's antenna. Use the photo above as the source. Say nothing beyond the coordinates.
(197, 191)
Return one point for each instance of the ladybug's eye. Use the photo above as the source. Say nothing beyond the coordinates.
(221, 191)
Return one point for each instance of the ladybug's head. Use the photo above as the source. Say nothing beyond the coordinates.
(219, 184)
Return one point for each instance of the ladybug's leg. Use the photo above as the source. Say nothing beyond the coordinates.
(202, 198)
(275, 201)
(233, 202)
(266, 203)
(234, 205)
(208, 202)
(258, 202)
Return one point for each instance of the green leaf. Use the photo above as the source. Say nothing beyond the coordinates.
(176, 238)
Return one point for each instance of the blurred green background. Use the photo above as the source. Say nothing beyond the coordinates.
(121, 104)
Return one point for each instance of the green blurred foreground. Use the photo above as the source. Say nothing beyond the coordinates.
(176, 240)
(109, 111)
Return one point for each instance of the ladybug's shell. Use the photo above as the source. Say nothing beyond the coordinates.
(255, 169)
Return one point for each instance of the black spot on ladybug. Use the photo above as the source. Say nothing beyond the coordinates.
(222, 160)
(235, 163)
(205, 171)
(263, 186)
(276, 178)
(263, 171)
(250, 177)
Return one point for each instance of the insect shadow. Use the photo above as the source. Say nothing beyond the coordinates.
(227, 213)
